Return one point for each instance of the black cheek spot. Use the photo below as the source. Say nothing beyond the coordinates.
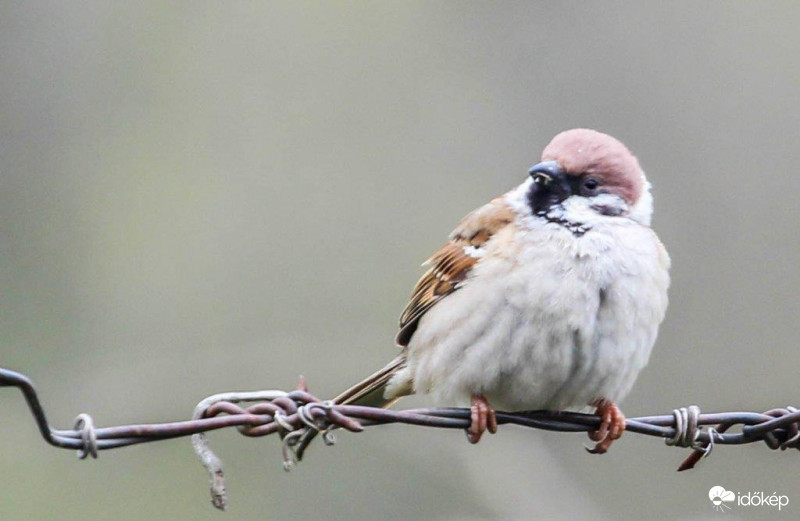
(609, 210)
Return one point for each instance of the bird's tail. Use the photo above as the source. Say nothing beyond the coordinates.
(369, 392)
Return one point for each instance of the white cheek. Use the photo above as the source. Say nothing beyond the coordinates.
(611, 200)
(609, 204)
(642, 211)
(585, 209)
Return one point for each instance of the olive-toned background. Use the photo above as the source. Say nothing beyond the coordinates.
(197, 199)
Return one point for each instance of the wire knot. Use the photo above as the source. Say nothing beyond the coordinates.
(686, 428)
(85, 424)
(320, 421)
(791, 434)
(281, 419)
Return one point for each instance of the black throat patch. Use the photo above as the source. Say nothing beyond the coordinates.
(577, 229)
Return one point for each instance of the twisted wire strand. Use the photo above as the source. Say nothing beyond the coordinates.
(295, 413)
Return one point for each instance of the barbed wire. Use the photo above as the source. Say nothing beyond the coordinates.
(297, 416)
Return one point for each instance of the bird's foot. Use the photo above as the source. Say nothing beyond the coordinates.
(611, 427)
(482, 418)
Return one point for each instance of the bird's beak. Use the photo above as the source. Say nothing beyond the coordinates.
(545, 172)
(552, 178)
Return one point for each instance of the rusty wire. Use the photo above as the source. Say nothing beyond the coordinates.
(297, 414)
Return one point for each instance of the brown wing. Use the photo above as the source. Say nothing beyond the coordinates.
(451, 264)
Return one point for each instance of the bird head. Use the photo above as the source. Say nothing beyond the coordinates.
(593, 170)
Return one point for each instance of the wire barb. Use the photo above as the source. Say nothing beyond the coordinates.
(298, 414)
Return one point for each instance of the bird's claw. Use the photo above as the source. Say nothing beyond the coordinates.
(612, 425)
(482, 418)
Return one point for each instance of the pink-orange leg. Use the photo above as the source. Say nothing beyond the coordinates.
(482, 418)
(611, 427)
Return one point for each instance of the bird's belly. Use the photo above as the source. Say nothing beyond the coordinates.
(552, 335)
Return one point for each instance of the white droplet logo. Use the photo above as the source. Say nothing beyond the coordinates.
(719, 496)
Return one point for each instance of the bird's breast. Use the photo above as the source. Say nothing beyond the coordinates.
(546, 319)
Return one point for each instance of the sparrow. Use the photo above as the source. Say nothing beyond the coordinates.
(548, 297)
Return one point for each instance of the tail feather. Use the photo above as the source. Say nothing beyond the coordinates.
(370, 391)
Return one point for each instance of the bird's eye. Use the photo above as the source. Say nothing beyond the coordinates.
(591, 184)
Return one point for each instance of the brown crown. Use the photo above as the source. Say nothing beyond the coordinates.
(582, 151)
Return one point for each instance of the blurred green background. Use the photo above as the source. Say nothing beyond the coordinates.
(200, 198)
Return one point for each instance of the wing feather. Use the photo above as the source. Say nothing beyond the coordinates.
(451, 264)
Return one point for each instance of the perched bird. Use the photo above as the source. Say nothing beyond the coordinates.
(548, 297)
